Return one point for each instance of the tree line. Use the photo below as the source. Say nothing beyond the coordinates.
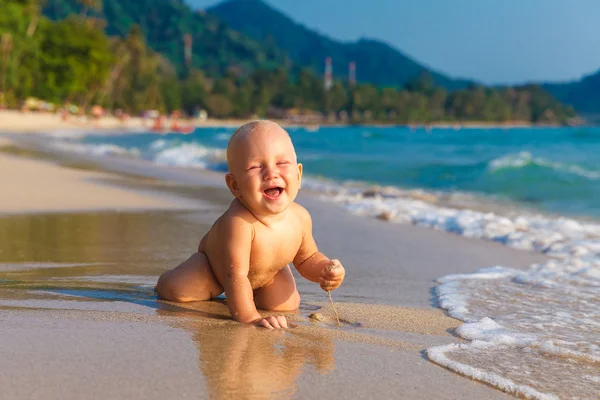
(73, 61)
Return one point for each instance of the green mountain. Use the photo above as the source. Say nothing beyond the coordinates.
(377, 62)
(269, 66)
(583, 95)
(216, 47)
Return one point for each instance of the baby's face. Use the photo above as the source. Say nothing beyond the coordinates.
(265, 171)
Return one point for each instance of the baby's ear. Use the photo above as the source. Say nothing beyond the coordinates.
(232, 184)
(300, 173)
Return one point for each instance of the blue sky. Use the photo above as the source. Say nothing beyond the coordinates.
(493, 41)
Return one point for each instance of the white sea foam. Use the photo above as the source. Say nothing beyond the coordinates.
(97, 149)
(187, 155)
(438, 354)
(534, 333)
(158, 145)
(525, 158)
(161, 151)
(555, 236)
(538, 330)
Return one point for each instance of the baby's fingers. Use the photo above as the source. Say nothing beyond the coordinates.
(264, 324)
(273, 322)
(335, 275)
(328, 285)
(333, 264)
(282, 321)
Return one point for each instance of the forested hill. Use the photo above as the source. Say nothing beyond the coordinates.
(377, 62)
(583, 95)
(249, 35)
(216, 47)
(72, 61)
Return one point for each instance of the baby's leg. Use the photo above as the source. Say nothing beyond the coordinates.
(279, 294)
(192, 280)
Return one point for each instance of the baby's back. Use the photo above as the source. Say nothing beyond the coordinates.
(271, 246)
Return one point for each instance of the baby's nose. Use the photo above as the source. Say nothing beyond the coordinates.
(269, 173)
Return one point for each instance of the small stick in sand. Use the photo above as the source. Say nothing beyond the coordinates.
(332, 306)
(330, 268)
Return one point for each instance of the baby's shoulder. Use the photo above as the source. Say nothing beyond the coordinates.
(301, 213)
(235, 217)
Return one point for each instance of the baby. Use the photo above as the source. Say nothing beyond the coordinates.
(247, 250)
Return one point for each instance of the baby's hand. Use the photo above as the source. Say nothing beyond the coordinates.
(273, 322)
(332, 276)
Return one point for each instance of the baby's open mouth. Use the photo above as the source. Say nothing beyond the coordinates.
(273, 193)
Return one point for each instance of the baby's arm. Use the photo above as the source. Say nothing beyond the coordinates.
(237, 237)
(311, 263)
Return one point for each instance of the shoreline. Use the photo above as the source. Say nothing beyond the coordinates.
(394, 266)
(31, 122)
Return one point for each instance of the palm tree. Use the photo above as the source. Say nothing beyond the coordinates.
(5, 47)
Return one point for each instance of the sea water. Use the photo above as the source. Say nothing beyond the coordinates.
(535, 333)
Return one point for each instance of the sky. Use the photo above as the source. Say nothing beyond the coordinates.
(492, 41)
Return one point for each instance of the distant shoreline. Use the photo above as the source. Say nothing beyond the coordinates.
(16, 121)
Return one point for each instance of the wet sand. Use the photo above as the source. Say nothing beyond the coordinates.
(80, 319)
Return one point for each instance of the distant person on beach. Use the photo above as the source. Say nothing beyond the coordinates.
(97, 113)
(247, 250)
(159, 123)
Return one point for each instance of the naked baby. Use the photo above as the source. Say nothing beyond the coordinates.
(247, 251)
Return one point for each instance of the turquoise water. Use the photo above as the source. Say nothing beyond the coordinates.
(554, 169)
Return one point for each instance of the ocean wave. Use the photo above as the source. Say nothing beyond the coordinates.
(186, 155)
(532, 333)
(526, 159)
(160, 151)
(559, 237)
(97, 149)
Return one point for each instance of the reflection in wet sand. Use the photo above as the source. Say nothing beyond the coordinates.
(248, 362)
(144, 243)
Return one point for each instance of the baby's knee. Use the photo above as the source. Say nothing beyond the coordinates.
(166, 289)
(160, 283)
(295, 301)
(172, 293)
(290, 304)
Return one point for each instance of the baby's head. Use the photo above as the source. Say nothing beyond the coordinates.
(263, 170)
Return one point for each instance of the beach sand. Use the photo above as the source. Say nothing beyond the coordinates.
(79, 318)
(31, 185)
(30, 122)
